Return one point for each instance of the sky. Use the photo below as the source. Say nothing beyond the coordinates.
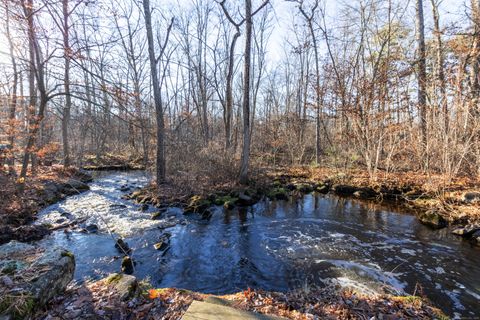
(450, 10)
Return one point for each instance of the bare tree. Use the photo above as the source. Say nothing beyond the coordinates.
(160, 157)
(422, 75)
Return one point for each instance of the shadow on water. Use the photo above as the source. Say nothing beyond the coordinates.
(278, 246)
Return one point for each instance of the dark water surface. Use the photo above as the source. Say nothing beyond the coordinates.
(278, 245)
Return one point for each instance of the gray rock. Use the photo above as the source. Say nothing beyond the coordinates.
(471, 197)
(476, 237)
(433, 220)
(125, 285)
(91, 228)
(122, 246)
(342, 189)
(466, 231)
(73, 186)
(37, 274)
(128, 265)
(144, 207)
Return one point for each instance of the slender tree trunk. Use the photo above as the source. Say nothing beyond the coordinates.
(422, 75)
(229, 92)
(13, 101)
(318, 149)
(160, 158)
(440, 65)
(68, 98)
(475, 80)
(246, 94)
(28, 11)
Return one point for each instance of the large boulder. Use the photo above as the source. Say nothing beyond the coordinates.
(31, 276)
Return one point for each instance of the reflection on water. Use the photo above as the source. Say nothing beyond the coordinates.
(277, 246)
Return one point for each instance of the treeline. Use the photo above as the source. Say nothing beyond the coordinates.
(192, 86)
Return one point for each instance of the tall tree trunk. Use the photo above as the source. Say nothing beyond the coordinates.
(68, 99)
(246, 94)
(440, 65)
(475, 80)
(309, 19)
(160, 157)
(13, 101)
(317, 95)
(229, 91)
(28, 11)
(422, 75)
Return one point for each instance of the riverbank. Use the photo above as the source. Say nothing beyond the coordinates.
(436, 202)
(21, 200)
(121, 297)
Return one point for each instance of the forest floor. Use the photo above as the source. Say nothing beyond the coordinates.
(21, 200)
(102, 300)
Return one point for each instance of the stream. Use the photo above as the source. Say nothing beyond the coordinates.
(273, 245)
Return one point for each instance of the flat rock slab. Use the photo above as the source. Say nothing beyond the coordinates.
(199, 310)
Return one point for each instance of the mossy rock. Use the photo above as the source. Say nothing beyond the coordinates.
(53, 268)
(229, 204)
(365, 193)
(128, 265)
(197, 204)
(158, 214)
(277, 194)
(432, 219)
(304, 187)
(227, 201)
(343, 189)
(278, 183)
(113, 278)
(322, 188)
(124, 285)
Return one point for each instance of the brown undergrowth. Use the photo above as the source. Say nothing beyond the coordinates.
(20, 200)
(100, 300)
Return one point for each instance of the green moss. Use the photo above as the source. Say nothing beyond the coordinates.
(156, 215)
(227, 201)
(439, 314)
(409, 299)
(304, 187)
(68, 254)
(433, 220)
(277, 184)
(113, 278)
(277, 193)
(197, 204)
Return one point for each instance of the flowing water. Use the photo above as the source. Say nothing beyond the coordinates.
(279, 245)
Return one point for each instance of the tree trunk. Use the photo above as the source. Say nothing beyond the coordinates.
(229, 92)
(160, 157)
(68, 98)
(440, 65)
(13, 101)
(475, 80)
(422, 75)
(246, 94)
